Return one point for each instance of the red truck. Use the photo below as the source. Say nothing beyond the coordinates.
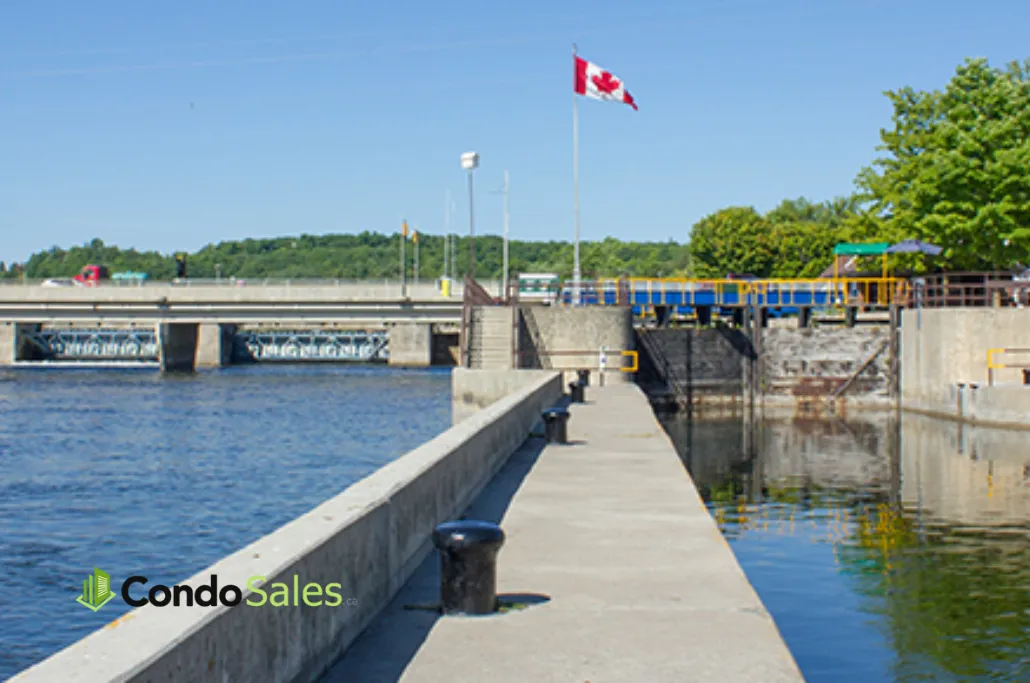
(91, 275)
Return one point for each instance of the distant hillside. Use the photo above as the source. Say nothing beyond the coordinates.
(367, 255)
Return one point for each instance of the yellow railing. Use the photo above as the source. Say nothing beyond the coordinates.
(993, 364)
(636, 361)
(872, 291)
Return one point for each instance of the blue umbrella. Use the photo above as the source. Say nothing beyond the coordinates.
(914, 247)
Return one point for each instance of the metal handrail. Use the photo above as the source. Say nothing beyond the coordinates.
(992, 365)
(623, 353)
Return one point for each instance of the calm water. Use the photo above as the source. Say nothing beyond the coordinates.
(161, 476)
(885, 550)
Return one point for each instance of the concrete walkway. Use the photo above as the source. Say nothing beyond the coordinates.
(641, 584)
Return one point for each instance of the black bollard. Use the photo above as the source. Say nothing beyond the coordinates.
(576, 391)
(584, 377)
(468, 566)
(555, 421)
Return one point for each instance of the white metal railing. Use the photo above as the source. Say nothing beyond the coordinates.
(456, 286)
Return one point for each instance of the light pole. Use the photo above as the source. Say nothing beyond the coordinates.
(469, 162)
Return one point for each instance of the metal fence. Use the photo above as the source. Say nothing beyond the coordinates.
(996, 289)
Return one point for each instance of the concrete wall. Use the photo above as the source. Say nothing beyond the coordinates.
(411, 345)
(545, 329)
(369, 539)
(943, 348)
(473, 390)
(177, 346)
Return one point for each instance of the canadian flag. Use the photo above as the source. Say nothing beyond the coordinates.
(595, 82)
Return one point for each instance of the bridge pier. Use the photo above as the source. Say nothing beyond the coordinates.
(14, 344)
(177, 346)
(214, 345)
(411, 345)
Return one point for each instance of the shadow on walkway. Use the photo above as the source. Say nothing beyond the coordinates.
(387, 646)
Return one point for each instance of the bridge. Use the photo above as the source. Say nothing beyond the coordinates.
(211, 324)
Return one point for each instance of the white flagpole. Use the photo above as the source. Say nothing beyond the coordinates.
(575, 182)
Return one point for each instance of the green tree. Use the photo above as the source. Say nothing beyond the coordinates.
(957, 169)
(737, 239)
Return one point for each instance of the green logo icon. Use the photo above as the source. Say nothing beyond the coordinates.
(96, 590)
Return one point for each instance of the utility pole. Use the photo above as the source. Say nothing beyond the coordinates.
(404, 273)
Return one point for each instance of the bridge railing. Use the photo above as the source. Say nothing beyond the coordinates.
(874, 292)
(969, 289)
(225, 282)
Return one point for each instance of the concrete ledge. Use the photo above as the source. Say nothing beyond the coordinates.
(997, 406)
(473, 390)
(369, 539)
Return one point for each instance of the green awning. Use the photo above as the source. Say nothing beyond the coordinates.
(869, 249)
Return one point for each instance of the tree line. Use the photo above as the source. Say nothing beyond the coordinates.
(954, 171)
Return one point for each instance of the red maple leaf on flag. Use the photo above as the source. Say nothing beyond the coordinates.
(606, 83)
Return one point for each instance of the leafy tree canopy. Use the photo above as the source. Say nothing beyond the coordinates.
(957, 169)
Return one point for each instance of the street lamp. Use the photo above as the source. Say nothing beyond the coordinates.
(469, 162)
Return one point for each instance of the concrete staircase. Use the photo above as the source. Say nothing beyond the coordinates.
(490, 338)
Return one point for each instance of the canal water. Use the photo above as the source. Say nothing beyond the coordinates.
(885, 549)
(136, 473)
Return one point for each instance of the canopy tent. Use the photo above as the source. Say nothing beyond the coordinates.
(915, 247)
(869, 249)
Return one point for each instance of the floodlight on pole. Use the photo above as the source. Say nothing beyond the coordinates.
(470, 162)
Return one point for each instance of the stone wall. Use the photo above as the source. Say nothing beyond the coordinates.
(799, 364)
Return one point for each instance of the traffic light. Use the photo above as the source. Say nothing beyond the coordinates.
(180, 266)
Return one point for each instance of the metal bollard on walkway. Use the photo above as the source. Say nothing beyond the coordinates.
(584, 377)
(555, 425)
(576, 391)
(468, 565)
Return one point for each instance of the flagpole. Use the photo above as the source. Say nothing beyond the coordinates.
(575, 182)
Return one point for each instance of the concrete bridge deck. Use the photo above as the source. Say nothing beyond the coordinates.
(641, 584)
(367, 304)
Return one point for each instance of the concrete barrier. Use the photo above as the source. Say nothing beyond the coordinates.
(473, 390)
(368, 539)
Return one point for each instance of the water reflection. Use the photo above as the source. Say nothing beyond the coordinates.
(886, 549)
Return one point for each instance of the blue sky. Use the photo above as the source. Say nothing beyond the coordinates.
(171, 125)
